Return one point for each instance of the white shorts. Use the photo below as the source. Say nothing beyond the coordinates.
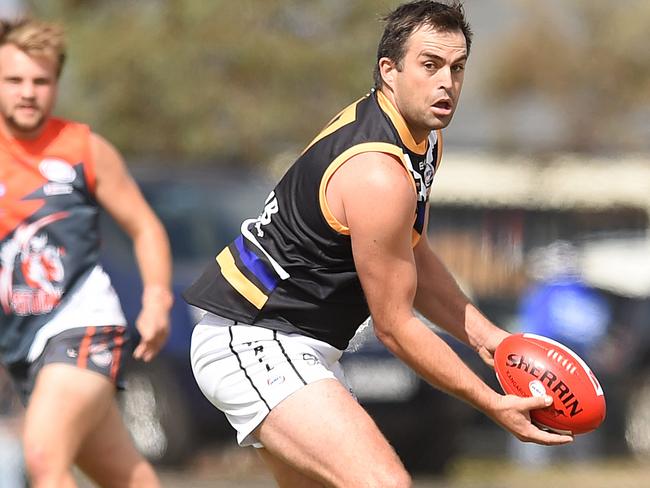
(245, 370)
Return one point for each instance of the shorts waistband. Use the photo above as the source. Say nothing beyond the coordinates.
(213, 319)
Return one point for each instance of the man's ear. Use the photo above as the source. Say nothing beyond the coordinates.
(387, 71)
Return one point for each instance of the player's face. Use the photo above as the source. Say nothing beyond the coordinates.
(27, 91)
(427, 86)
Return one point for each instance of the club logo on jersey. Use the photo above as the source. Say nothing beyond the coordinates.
(429, 163)
(37, 266)
(60, 174)
(428, 174)
(57, 170)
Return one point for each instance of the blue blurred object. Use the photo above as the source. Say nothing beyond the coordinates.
(568, 311)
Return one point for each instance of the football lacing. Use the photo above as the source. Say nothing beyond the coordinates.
(565, 362)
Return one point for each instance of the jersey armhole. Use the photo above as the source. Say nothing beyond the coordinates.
(381, 147)
(89, 163)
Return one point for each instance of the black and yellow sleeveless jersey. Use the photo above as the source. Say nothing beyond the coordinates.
(292, 269)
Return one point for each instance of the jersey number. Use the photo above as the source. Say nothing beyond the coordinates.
(270, 208)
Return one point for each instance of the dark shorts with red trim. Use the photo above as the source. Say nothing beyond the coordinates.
(103, 350)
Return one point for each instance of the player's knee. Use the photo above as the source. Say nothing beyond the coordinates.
(40, 461)
(136, 473)
(392, 477)
(143, 476)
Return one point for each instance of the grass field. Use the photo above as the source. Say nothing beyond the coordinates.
(241, 469)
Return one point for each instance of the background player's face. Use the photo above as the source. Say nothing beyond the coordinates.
(427, 86)
(27, 90)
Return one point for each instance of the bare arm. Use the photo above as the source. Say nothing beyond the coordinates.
(120, 196)
(375, 199)
(439, 298)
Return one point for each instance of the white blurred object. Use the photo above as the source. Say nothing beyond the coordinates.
(568, 181)
(11, 458)
(620, 265)
(10, 9)
(559, 259)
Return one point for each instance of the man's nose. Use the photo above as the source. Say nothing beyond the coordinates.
(27, 90)
(444, 78)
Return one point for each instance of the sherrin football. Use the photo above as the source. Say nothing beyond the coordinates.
(531, 365)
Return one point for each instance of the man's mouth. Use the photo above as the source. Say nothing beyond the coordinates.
(443, 107)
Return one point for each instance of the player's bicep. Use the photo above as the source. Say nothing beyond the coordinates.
(116, 191)
(379, 208)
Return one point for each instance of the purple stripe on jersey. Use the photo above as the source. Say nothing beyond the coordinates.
(255, 265)
(419, 218)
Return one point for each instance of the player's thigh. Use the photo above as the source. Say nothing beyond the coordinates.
(108, 456)
(285, 475)
(322, 431)
(66, 404)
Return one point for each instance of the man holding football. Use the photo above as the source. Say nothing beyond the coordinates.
(344, 235)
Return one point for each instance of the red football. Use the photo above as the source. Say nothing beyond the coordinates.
(532, 365)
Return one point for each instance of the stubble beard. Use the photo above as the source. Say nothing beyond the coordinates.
(436, 123)
(25, 129)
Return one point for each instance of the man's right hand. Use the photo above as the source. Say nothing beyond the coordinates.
(513, 414)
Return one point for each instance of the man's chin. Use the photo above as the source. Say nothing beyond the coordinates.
(440, 122)
(25, 127)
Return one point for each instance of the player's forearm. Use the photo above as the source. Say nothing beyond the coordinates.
(153, 254)
(440, 299)
(430, 357)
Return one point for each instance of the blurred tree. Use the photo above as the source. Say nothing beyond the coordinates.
(190, 80)
(248, 81)
(589, 61)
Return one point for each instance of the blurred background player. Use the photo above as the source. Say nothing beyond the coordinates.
(344, 234)
(63, 337)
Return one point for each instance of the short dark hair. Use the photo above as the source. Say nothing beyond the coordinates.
(406, 18)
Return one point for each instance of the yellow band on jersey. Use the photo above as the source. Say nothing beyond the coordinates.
(381, 147)
(238, 281)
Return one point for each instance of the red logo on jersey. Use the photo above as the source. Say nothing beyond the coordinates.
(39, 263)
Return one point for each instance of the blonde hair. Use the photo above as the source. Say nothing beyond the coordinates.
(35, 38)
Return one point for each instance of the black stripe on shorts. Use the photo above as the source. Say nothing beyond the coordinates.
(293, 366)
(244, 369)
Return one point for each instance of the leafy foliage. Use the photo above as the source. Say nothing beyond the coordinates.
(590, 61)
(248, 81)
(234, 81)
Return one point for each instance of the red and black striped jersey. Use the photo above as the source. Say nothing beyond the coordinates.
(291, 268)
(48, 228)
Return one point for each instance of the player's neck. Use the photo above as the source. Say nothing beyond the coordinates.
(416, 140)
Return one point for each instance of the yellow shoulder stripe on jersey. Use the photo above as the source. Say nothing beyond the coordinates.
(343, 118)
(239, 281)
(381, 147)
(400, 124)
